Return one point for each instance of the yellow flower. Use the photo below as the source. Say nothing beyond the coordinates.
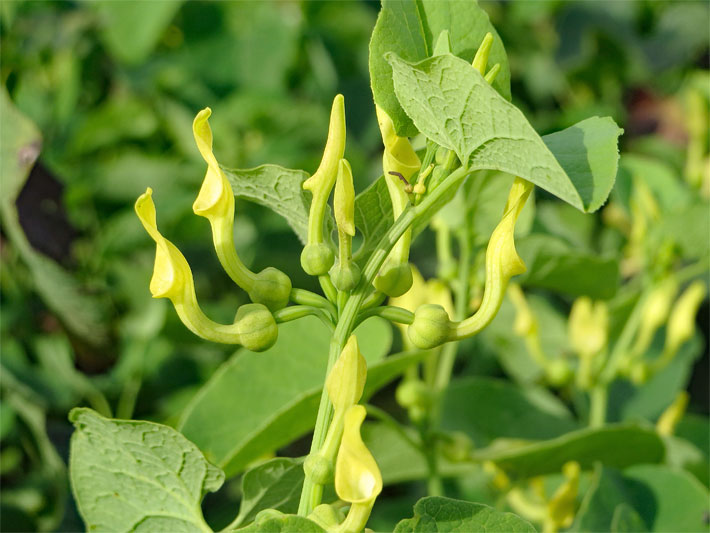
(588, 326)
(399, 162)
(357, 477)
(317, 257)
(681, 323)
(502, 263)
(673, 414)
(172, 278)
(346, 274)
(215, 202)
(561, 507)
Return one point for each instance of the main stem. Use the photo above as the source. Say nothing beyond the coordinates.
(312, 492)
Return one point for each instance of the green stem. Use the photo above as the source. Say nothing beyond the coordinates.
(304, 297)
(294, 312)
(391, 313)
(311, 493)
(598, 403)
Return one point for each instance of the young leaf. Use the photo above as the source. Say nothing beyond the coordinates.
(411, 30)
(435, 513)
(615, 445)
(451, 103)
(130, 476)
(275, 484)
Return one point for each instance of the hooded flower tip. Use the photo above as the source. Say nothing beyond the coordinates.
(170, 265)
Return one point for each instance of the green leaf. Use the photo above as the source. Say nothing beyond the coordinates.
(20, 143)
(616, 445)
(280, 189)
(137, 476)
(130, 30)
(437, 514)
(553, 264)
(454, 106)
(284, 524)
(411, 29)
(668, 500)
(275, 484)
(503, 409)
(373, 216)
(649, 400)
(661, 499)
(256, 403)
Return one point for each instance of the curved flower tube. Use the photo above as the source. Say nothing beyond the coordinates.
(357, 477)
(561, 507)
(215, 202)
(317, 257)
(172, 278)
(502, 263)
(399, 163)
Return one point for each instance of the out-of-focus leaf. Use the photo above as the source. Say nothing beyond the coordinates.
(399, 461)
(21, 143)
(259, 402)
(129, 475)
(552, 264)
(130, 30)
(687, 228)
(503, 410)
(435, 513)
(454, 106)
(617, 445)
(663, 500)
(626, 519)
(411, 29)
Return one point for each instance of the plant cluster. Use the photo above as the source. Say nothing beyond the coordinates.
(507, 212)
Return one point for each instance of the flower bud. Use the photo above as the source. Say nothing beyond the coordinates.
(346, 380)
(480, 61)
(431, 327)
(394, 279)
(558, 372)
(413, 393)
(327, 516)
(256, 327)
(317, 258)
(270, 287)
(654, 314)
(318, 469)
(345, 278)
(457, 447)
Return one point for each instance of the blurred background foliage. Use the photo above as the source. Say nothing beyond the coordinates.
(112, 88)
